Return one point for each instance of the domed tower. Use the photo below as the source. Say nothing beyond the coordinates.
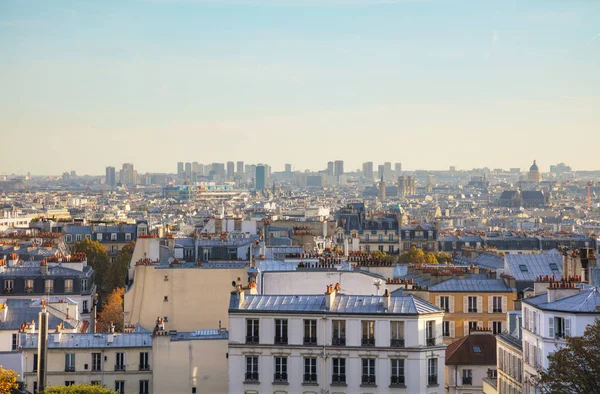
(534, 174)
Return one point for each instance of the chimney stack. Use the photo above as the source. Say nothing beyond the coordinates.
(44, 267)
(42, 348)
(386, 300)
(330, 295)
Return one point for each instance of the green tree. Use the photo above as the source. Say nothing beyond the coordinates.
(431, 259)
(118, 270)
(8, 380)
(575, 368)
(78, 389)
(97, 258)
(112, 311)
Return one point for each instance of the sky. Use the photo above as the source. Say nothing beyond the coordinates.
(430, 84)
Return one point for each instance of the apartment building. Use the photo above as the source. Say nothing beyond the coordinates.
(334, 343)
(471, 304)
(122, 362)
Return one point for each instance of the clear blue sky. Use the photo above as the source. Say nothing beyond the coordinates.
(86, 84)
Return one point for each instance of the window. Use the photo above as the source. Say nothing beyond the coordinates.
(113, 236)
(497, 305)
(15, 342)
(559, 327)
(99, 237)
(29, 285)
(368, 371)
(88, 236)
(430, 333)
(144, 361)
(391, 237)
(69, 382)
(380, 248)
(144, 386)
(84, 285)
(496, 327)
(472, 326)
(166, 299)
(251, 330)
(445, 304)
(418, 234)
(467, 377)
(310, 370)
(120, 361)
(339, 371)
(96, 362)
(9, 285)
(68, 285)
(68, 238)
(127, 237)
(310, 332)
(114, 248)
(432, 371)
(380, 238)
(85, 306)
(280, 370)
(446, 329)
(368, 333)
(120, 386)
(523, 268)
(397, 372)
(339, 333)
(397, 334)
(95, 383)
(472, 304)
(77, 237)
(553, 267)
(367, 237)
(35, 362)
(391, 249)
(48, 286)
(281, 331)
(69, 362)
(251, 369)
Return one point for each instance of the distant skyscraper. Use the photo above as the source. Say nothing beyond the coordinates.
(398, 168)
(240, 167)
(380, 170)
(339, 168)
(288, 168)
(218, 169)
(330, 168)
(128, 175)
(230, 169)
(180, 171)
(368, 170)
(387, 170)
(188, 171)
(110, 176)
(261, 176)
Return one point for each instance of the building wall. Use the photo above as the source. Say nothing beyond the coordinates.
(454, 374)
(197, 298)
(510, 368)
(183, 365)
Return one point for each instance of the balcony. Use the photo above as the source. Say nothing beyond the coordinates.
(144, 367)
(8, 290)
(559, 335)
(338, 379)
(280, 378)
(85, 311)
(397, 342)
(467, 380)
(367, 342)
(119, 367)
(430, 341)
(251, 377)
(310, 340)
(252, 339)
(29, 290)
(397, 381)
(472, 310)
(281, 340)
(432, 380)
(338, 342)
(368, 380)
(310, 378)
(497, 310)
(69, 368)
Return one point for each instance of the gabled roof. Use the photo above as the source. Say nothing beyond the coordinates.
(471, 285)
(527, 267)
(587, 301)
(474, 349)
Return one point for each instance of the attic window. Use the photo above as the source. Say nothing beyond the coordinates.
(553, 267)
(523, 268)
(166, 298)
(476, 349)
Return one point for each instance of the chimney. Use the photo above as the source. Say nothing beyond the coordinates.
(4, 310)
(42, 348)
(159, 328)
(559, 290)
(58, 333)
(386, 300)
(240, 296)
(111, 333)
(330, 295)
(44, 267)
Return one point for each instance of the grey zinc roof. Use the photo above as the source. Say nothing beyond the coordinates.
(471, 285)
(90, 341)
(52, 271)
(343, 304)
(587, 301)
(536, 265)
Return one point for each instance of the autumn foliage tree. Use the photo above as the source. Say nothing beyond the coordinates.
(112, 311)
(574, 368)
(8, 380)
(118, 270)
(78, 389)
(97, 258)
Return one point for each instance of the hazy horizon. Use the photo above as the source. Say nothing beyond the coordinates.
(430, 84)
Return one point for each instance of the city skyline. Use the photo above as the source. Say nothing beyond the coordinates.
(436, 83)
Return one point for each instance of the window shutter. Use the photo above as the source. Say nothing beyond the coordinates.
(451, 304)
(452, 327)
(465, 304)
(479, 304)
(568, 327)
(551, 327)
(503, 326)
(490, 304)
(437, 301)
(479, 324)
(504, 304)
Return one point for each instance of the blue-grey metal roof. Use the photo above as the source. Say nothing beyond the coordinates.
(58, 270)
(342, 304)
(25, 310)
(90, 341)
(587, 301)
(471, 286)
(200, 335)
(534, 265)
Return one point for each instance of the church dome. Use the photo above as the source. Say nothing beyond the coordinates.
(534, 167)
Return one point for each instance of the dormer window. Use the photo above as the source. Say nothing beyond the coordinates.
(88, 236)
(69, 238)
(113, 236)
(127, 236)
(77, 237)
(84, 285)
(49, 286)
(99, 237)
